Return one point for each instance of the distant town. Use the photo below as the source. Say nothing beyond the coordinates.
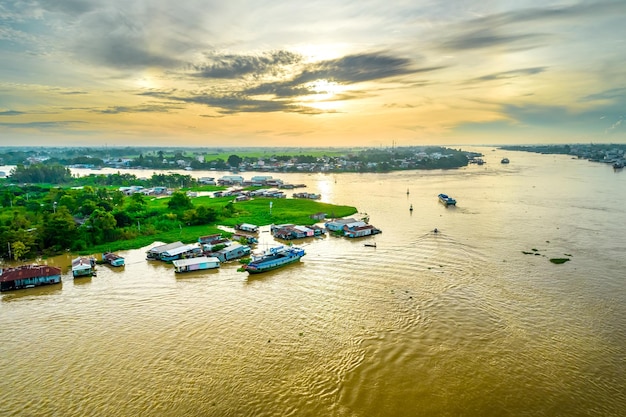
(613, 154)
(244, 159)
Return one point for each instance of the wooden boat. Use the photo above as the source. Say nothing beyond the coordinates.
(447, 200)
(274, 258)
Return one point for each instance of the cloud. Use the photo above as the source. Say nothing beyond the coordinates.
(281, 92)
(509, 30)
(11, 113)
(487, 38)
(614, 94)
(42, 125)
(360, 68)
(146, 108)
(235, 66)
(509, 74)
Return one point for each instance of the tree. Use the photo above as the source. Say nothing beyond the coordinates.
(234, 161)
(179, 201)
(59, 229)
(18, 249)
(102, 223)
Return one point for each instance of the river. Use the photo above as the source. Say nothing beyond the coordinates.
(457, 323)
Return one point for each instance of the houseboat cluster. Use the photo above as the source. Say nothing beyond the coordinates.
(209, 252)
(292, 231)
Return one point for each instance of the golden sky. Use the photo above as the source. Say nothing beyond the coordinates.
(314, 73)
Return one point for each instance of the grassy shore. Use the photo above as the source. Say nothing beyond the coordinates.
(257, 211)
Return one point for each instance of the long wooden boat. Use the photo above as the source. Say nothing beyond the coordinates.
(447, 200)
(274, 258)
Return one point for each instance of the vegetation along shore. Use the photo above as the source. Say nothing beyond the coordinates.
(101, 213)
(47, 210)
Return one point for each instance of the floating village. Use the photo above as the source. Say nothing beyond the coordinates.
(211, 251)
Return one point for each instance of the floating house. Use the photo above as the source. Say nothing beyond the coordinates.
(28, 276)
(359, 229)
(113, 259)
(211, 239)
(196, 264)
(181, 252)
(246, 239)
(83, 267)
(311, 196)
(338, 224)
(247, 227)
(155, 252)
(231, 252)
(290, 231)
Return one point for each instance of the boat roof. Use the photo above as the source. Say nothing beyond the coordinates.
(195, 261)
(165, 247)
(181, 249)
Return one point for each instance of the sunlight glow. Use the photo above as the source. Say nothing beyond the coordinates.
(326, 95)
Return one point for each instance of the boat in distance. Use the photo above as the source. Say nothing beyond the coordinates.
(274, 258)
(447, 200)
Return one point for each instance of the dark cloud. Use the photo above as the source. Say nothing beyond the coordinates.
(614, 94)
(509, 74)
(147, 108)
(487, 38)
(41, 125)
(236, 66)
(283, 95)
(11, 113)
(359, 68)
(510, 30)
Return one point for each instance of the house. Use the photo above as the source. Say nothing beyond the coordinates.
(247, 239)
(247, 227)
(359, 229)
(113, 259)
(28, 276)
(318, 216)
(208, 239)
(231, 252)
(338, 224)
(83, 267)
(155, 252)
(196, 264)
(290, 231)
(185, 251)
(230, 180)
(207, 181)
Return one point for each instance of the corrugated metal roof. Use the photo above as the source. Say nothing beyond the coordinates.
(195, 261)
(28, 271)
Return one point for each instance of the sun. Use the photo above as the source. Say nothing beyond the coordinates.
(324, 87)
(324, 95)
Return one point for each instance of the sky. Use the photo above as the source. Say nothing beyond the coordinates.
(311, 73)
